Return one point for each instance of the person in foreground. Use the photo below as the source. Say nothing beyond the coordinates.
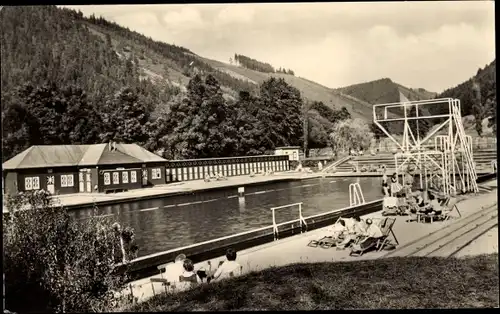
(188, 278)
(228, 268)
(369, 237)
(174, 270)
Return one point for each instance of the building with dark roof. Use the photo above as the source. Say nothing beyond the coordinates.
(65, 169)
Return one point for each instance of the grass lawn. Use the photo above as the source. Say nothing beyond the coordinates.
(395, 283)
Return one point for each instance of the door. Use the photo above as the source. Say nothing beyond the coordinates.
(144, 177)
(81, 182)
(50, 185)
(88, 182)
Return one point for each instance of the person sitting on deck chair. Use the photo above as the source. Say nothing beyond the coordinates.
(369, 237)
(174, 270)
(188, 278)
(354, 229)
(336, 230)
(423, 201)
(435, 205)
(229, 268)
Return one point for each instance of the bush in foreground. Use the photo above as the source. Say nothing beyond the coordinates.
(396, 283)
(53, 262)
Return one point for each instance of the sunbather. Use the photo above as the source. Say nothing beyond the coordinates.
(188, 278)
(335, 230)
(352, 231)
(435, 205)
(229, 267)
(369, 237)
(423, 201)
(174, 270)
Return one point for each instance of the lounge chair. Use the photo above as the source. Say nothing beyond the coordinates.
(325, 242)
(449, 205)
(390, 206)
(385, 225)
(164, 283)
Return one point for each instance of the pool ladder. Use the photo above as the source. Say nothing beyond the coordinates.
(356, 196)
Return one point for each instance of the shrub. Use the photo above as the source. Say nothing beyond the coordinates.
(56, 262)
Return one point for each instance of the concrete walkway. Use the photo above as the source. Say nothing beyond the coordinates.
(295, 250)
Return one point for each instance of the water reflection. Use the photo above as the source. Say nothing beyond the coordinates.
(176, 221)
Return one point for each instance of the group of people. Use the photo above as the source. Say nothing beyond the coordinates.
(419, 201)
(218, 176)
(182, 275)
(355, 233)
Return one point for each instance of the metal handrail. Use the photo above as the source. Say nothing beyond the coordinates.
(301, 219)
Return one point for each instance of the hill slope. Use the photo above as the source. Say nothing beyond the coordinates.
(486, 80)
(67, 79)
(384, 91)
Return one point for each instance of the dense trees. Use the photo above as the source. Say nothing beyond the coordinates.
(253, 64)
(64, 84)
(478, 95)
(256, 65)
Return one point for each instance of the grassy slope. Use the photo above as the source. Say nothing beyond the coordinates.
(395, 283)
(308, 89)
(154, 66)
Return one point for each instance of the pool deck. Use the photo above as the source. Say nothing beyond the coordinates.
(89, 199)
(295, 250)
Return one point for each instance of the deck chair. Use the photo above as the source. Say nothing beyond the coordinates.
(390, 206)
(325, 242)
(164, 283)
(385, 226)
(448, 207)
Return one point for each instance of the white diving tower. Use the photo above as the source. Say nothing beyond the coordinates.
(444, 156)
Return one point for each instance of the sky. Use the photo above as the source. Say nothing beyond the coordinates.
(433, 45)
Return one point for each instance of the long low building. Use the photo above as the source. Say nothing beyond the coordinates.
(101, 168)
(195, 169)
(67, 169)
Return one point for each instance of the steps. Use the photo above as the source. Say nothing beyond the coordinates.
(450, 239)
(482, 159)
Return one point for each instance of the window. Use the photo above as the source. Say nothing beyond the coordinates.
(116, 178)
(156, 173)
(28, 183)
(125, 177)
(67, 180)
(133, 177)
(107, 178)
(31, 183)
(64, 181)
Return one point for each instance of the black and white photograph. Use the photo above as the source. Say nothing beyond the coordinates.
(249, 156)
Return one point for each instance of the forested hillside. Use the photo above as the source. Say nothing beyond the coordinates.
(478, 96)
(384, 91)
(256, 65)
(67, 79)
